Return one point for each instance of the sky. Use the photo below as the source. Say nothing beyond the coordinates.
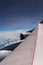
(20, 14)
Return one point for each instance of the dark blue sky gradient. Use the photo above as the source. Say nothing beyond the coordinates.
(20, 14)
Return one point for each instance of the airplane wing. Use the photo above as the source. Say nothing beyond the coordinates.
(5, 50)
(24, 53)
(29, 52)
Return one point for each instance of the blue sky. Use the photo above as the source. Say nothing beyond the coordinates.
(20, 14)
